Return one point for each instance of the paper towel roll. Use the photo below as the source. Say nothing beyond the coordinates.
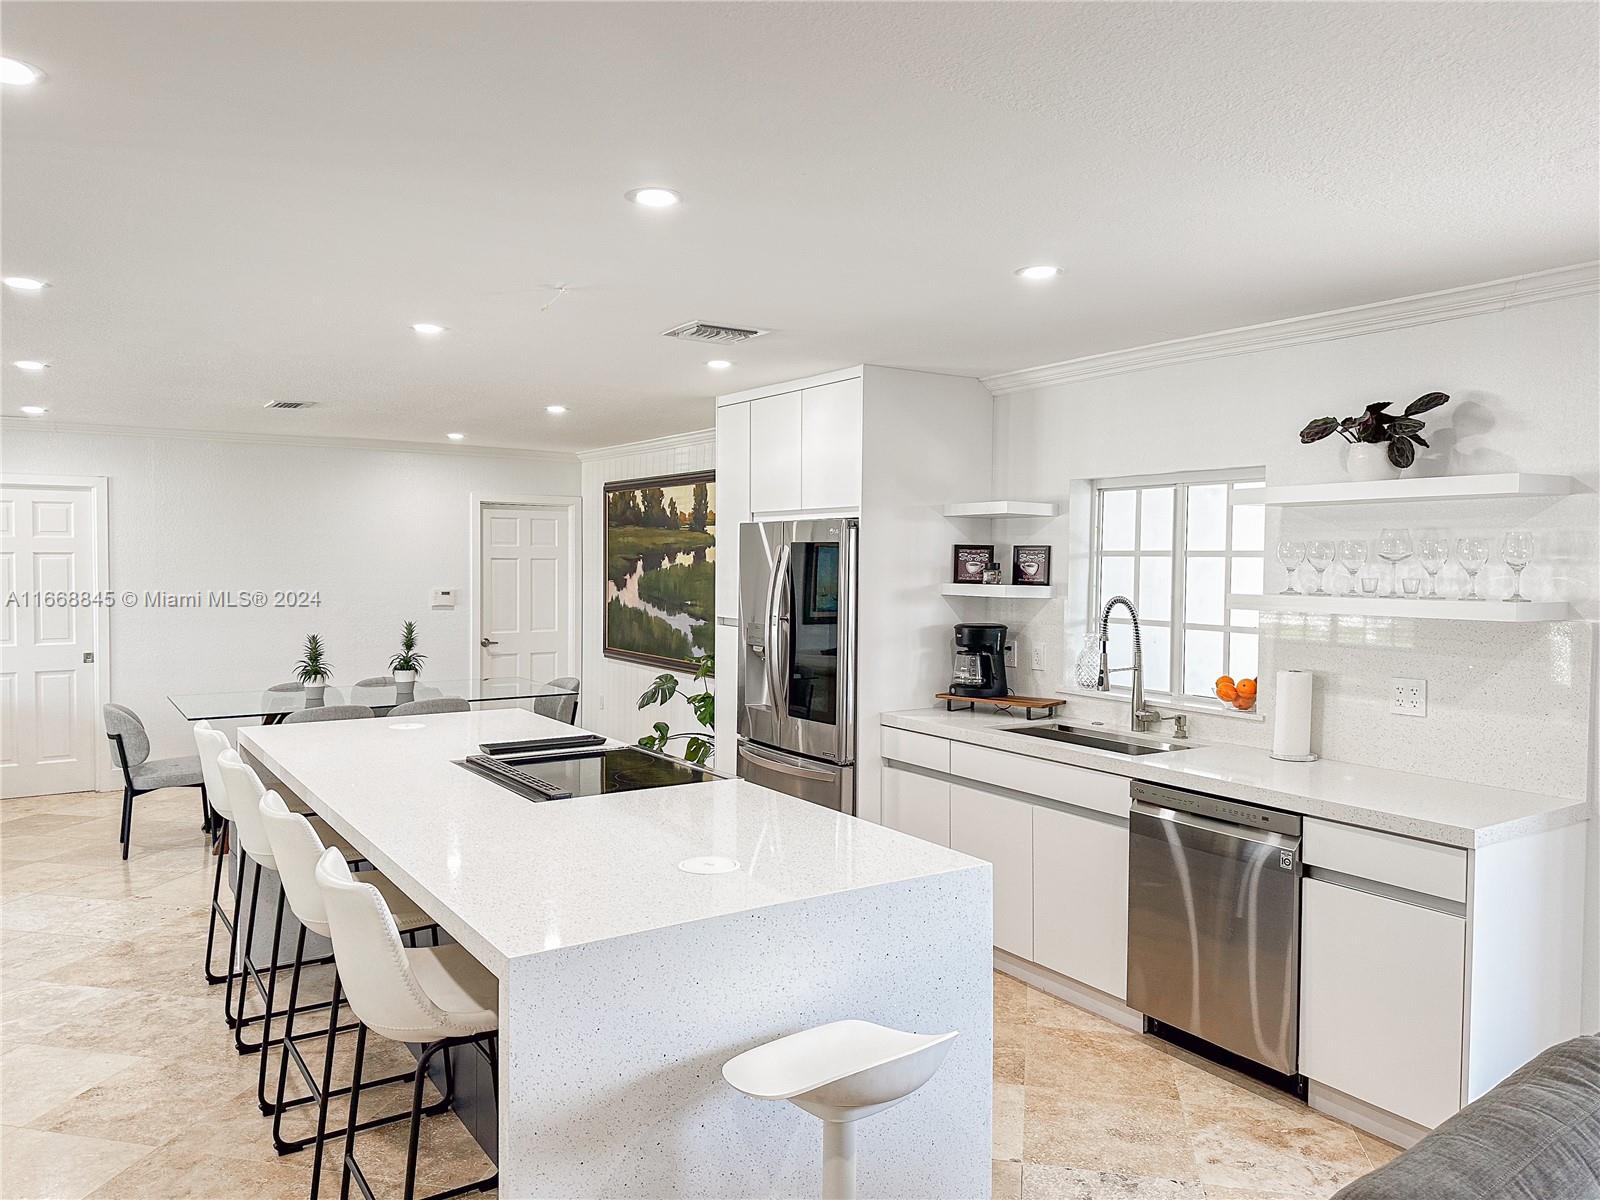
(1291, 718)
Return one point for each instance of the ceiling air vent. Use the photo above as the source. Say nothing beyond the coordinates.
(722, 335)
(290, 404)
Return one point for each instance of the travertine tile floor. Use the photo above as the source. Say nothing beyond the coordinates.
(119, 1079)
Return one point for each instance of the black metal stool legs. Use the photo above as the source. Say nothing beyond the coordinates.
(217, 914)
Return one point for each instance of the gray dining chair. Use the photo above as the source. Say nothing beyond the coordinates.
(376, 681)
(563, 707)
(436, 704)
(287, 687)
(141, 774)
(329, 712)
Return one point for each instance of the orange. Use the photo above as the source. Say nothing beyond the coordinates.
(1247, 687)
(1226, 690)
(1244, 703)
(1224, 681)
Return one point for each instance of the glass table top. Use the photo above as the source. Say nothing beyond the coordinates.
(264, 702)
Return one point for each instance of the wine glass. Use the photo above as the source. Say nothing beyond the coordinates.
(1290, 555)
(1394, 547)
(1472, 553)
(1320, 554)
(1517, 549)
(1352, 557)
(1433, 552)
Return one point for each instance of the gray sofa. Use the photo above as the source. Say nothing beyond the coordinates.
(1535, 1136)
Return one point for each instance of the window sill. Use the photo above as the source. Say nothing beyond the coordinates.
(1193, 705)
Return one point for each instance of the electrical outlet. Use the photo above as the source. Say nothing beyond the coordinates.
(1038, 658)
(1011, 654)
(1408, 697)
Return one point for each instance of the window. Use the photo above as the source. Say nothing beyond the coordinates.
(1178, 548)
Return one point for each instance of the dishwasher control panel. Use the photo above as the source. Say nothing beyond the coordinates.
(1218, 809)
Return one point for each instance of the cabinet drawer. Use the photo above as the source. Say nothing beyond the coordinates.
(1095, 790)
(918, 749)
(999, 830)
(1402, 862)
(917, 804)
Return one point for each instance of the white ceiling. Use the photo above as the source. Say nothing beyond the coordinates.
(238, 203)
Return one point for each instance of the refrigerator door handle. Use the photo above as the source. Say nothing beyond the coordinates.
(780, 580)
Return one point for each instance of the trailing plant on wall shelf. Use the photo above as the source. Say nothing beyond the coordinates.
(1376, 426)
(697, 746)
(408, 662)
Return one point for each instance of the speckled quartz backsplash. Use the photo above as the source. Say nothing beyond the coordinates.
(1508, 705)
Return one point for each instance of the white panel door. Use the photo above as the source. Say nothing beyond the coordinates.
(775, 453)
(49, 734)
(1381, 1000)
(999, 830)
(525, 628)
(1080, 898)
(733, 501)
(830, 457)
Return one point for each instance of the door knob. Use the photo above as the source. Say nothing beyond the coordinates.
(487, 642)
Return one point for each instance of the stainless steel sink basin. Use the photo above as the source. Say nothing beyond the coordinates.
(1097, 739)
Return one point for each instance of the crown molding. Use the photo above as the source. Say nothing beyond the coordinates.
(1580, 280)
(36, 425)
(671, 441)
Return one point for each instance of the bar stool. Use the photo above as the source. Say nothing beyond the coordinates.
(211, 743)
(297, 849)
(840, 1072)
(438, 995)
(244, 798)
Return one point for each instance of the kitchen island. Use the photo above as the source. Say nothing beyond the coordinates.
(627, 980)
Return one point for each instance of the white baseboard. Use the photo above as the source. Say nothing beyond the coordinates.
(1365, 1117)
(1070, 990)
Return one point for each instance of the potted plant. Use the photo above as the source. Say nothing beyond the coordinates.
(698, 746)
(1382, 444)
(313, 670)
(405, 665)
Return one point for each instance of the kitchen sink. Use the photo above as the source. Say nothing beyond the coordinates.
(1097, 739)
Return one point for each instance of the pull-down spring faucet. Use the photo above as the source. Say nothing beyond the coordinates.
(1141, 717)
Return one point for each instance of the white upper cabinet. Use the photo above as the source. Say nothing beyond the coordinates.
(774, 460)
(733, 501)
(830, 460)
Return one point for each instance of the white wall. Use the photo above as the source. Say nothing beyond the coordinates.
(373, 531)
(611, 686)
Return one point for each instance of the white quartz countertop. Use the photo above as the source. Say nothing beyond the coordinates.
(1420, 806)
(509, 877)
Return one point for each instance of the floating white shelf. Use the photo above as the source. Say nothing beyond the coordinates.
(1001, 508)
(1432, 610)
(999, 591)
(1448, 487)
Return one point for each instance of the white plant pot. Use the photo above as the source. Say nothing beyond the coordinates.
(405, 678)
(314, 692)
(1368, 462)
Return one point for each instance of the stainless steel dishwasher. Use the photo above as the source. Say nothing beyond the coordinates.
(1214, 922)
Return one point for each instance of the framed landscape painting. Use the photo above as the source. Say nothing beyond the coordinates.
(661, 582)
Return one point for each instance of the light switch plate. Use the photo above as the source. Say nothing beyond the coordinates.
(1408, 697)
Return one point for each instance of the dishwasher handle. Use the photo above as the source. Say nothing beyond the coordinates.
(1243, 833)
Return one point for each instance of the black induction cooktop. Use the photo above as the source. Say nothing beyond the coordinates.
(589, 773)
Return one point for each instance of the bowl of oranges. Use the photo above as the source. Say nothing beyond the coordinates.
(1240, 693)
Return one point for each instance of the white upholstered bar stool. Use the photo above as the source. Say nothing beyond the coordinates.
(244, 799)
(297, 849)
(840, 1072)
(210, 743)
(437, 995)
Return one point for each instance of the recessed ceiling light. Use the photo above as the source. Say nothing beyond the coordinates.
(427, 327)
(719, 364)
(18, 73)
(21, 283)
(455, 437)
(555, 410)
(34, 410)
(29, 364)
(1042, 271)
(654, 197)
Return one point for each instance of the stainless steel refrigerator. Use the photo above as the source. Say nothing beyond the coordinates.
(797, 656)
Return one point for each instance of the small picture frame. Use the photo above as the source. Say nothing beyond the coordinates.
(1030, 566)
(971, 562)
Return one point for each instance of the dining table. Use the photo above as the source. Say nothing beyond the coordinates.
(272, 704)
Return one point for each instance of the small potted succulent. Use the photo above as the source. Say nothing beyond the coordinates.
(1382, 444)
(313, 670)
(405, 665)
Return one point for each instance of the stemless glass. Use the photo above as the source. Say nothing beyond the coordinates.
(1433, 552)
(1290, 555)
(1517, 549)
(1352, 557)
(1320, 553)
(1394, 547)
(1472, 553)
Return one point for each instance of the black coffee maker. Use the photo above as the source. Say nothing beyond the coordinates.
(980, 661)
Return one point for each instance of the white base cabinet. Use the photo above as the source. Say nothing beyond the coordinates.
(1382, 988)
(999, 830)
(1080, 897)
(917, 804)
